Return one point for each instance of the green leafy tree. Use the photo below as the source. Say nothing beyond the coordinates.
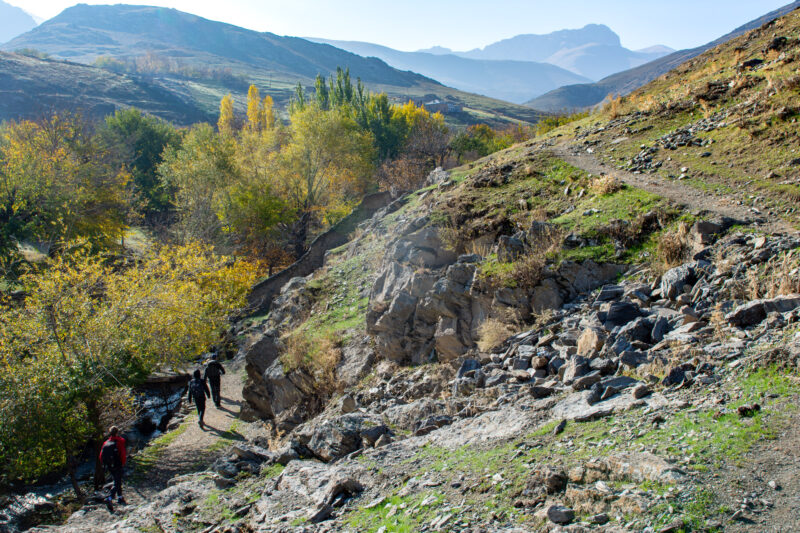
(327, 162)
(140, 141)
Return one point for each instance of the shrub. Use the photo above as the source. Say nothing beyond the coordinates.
(550, 123)
(673, 248)
(318, 356)
(492, 333)
(607, 185)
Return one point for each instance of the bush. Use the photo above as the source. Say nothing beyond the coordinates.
(607, 185)
(673, 248)
(550, 123)
(318, 356)
(492, 333)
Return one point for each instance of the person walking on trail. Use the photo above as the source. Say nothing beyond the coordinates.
(213, 373)
(198, 391)
(113, 456)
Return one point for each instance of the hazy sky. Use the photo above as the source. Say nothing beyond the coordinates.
(466, 24)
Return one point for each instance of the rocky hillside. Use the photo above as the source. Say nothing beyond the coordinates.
(596, 330)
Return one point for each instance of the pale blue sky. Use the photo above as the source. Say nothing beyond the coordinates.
(466, 24)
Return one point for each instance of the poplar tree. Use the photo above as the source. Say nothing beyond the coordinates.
(227, 122)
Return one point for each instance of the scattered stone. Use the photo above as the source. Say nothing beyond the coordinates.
(559, 514)
(747, 411)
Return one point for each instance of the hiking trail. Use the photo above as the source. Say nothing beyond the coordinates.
(678, 192)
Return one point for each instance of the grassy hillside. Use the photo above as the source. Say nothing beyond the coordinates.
(722, 123)
(31, 88)
(203, 60)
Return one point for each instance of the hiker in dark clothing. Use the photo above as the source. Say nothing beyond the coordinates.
(213, 374)
(113, 456)
(198, 391)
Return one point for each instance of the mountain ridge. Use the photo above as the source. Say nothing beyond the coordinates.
(594, 51)
(587, 95)
(195, 45)
(14, 21)
(506, 80)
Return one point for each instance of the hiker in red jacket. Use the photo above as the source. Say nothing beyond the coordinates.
(113, 456)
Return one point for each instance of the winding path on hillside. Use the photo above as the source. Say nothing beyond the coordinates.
(194, 447)
(190, 449)
(686, 195)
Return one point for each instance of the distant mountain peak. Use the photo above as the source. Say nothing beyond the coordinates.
(13, 21)
(436, 50)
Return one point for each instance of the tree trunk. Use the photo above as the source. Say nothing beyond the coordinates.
(72, 467)
(97, 439)
(300, 235)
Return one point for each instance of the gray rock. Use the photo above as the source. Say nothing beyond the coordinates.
(610, 292)
(620, 314)
(520, 363)
(558, 514)
(660, 328)
(754, 312)
(587, 381)
(509, 249)
(640, 391)
(347, 404)
(637, 330)
(468, 365)
(538, 391)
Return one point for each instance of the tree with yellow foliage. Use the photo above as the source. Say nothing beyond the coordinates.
(58, 183)
(226, 124)
(268, 113)
(89, 328)
(327, 163)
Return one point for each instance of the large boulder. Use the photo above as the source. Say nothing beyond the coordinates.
(754, 312)
(546, 296)
(675, 281)
(330, 439)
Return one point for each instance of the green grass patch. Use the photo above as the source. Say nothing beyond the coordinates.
(146, 459)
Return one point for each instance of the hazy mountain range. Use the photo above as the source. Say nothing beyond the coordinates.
(13, 21)
(519, 68)
(586, 95)
(199, 60)
(515, 81)
(593, 51)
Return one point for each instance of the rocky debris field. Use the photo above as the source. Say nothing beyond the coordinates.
(632, 405)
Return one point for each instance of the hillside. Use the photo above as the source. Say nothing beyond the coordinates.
(203, 60)
(513, 81)
(31, 88)
(593, 51)
(587, 95)
(13, 21)
(595, 330)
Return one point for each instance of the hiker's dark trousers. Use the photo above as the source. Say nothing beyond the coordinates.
(214, 381)
(201, 408)
(116, 473)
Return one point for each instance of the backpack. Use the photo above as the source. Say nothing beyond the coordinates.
(196, 387)
(109, 454)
